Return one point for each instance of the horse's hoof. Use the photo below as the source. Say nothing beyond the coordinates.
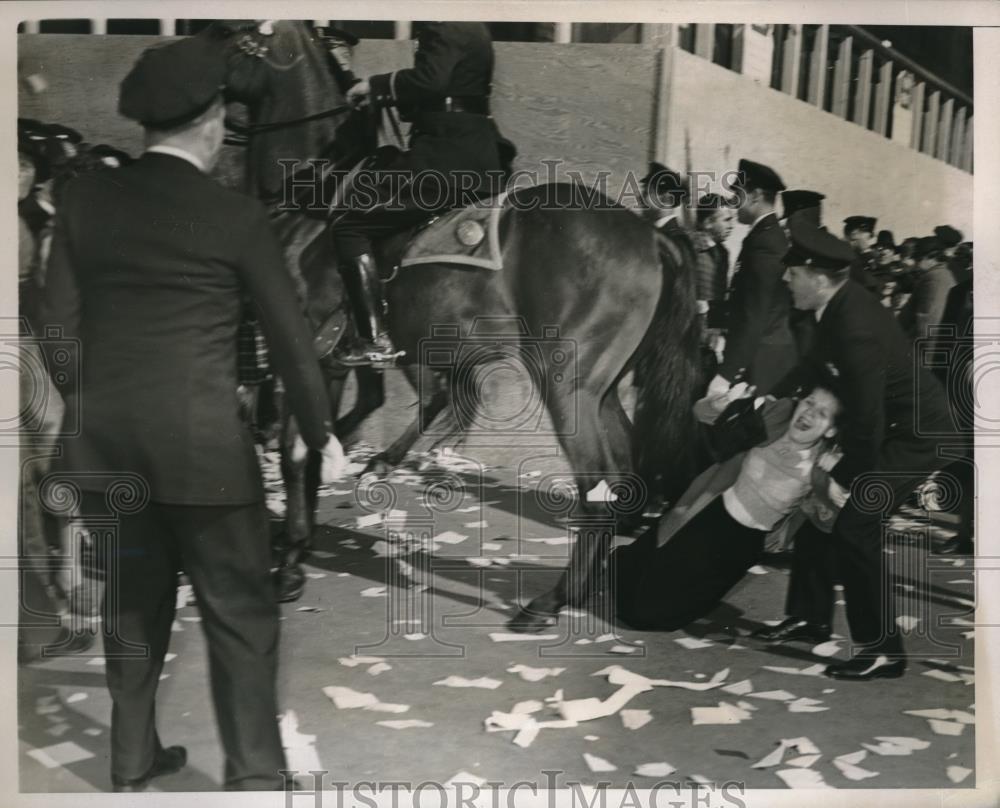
(377, 466)
(527, 621)
(289, 583)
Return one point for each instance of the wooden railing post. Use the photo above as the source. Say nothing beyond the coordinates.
(931, 123)
(883, 99)
(817, 67)
(863, 92)
(792, 60)
(704, 40)
(944, 130)
(916, 133)
(957, 137)
(967, 147)
(842, 79)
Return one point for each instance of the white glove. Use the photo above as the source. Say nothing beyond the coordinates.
(334, 464)
(838, 494)
(829, 459)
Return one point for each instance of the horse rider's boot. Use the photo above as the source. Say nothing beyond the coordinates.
(374, 347)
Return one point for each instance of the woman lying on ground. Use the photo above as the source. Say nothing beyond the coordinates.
(680, 569)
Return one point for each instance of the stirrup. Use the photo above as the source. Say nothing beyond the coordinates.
(370, 355)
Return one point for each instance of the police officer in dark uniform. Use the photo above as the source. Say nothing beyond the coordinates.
(148, 269)
(882, 445)
(759, 342)
(860, 234)
(454, 157)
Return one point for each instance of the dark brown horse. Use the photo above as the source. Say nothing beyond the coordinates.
(592, 291)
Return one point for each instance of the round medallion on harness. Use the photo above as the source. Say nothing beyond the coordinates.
(470, 233)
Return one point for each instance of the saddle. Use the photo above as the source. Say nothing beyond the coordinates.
(468, 236)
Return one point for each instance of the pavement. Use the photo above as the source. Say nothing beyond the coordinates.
(397, 654)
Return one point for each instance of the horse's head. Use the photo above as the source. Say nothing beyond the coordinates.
(284, 72)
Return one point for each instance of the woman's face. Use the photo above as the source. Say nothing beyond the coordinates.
(814, 417)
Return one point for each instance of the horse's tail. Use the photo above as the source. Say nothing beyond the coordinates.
(668, 373)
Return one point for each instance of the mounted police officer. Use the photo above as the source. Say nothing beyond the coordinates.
(454, 157)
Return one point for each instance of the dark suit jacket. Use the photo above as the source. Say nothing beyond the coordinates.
(880, 390)
(147, 269)
(760, 337)
(453, 59)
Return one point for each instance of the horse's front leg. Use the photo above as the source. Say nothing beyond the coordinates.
(434, 398)
(290, 578)
(371, 396)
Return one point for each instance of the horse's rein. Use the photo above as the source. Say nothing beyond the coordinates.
(241, 133)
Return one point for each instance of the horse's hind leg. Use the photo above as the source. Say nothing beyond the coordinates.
(371, 396)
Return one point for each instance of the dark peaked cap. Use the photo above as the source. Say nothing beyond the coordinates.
(794, 201)
(815, 246)
(757, 175)
(948, 235)
(174, 83)
(866, 223)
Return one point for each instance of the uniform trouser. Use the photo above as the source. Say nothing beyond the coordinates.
(854, 554)
(225, 552)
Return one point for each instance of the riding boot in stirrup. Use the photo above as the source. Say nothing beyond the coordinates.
(373, 348)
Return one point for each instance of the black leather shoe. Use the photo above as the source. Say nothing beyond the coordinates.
(167, 761)
(289, 583)
(794, 630)
(865, 667)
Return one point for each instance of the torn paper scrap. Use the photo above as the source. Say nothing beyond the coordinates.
(802, 778)
(344, 698)
(353, 661)
(300, 749)
(404, 723)
(503, 636)
(554, 541)
(739, 688)
(374, 592)
(943, 676)
(185, 592)
(530, 674)
(958, 773)
(476, 525)
(75, 697)
(692, 643)
(589, 709)
(773, 695)
(895, 746)
(907, 622)
(961, 716)
(827, 649)
(654, 769)
(450, 537)
(60, 754)
(853, 757)
(483, 682)
(806, 705)
(527, 707)
(635, 719)
(379, 667)
(812, 670)
(852, 771)
(622, 649)
(946, 727)
(724, 713)
(598, 764)
(369, 520)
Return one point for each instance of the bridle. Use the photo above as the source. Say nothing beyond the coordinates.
(240, 134)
